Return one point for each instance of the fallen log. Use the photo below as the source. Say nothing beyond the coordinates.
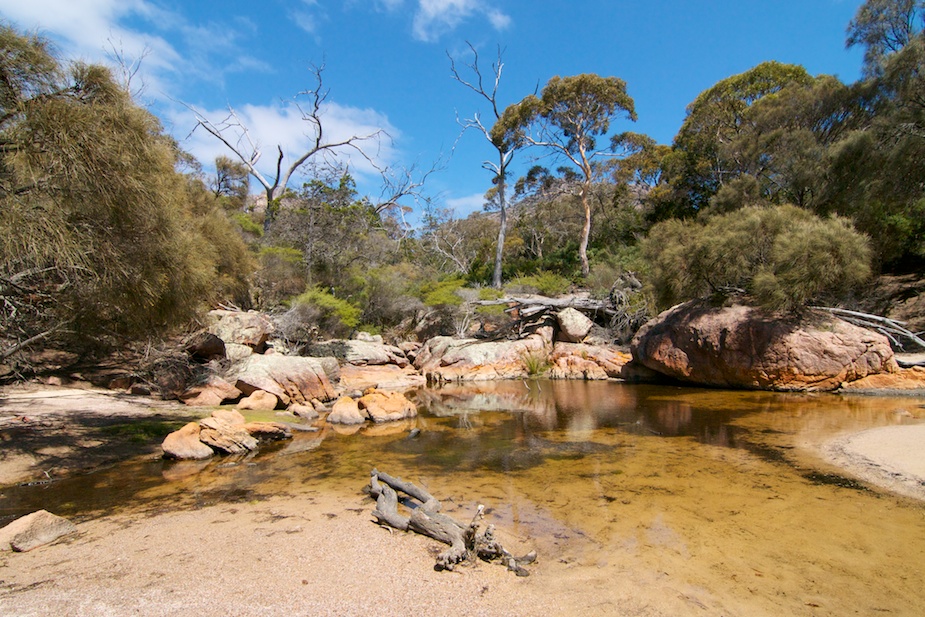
(466, 542)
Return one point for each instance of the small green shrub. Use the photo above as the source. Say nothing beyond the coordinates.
(247, 224)
(333, 316)
(544, 282)
(442, 293)
(535, 362)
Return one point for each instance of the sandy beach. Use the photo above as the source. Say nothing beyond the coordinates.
(319, 552)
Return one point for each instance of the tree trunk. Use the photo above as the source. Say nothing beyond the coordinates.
(585, 230)
(502, 230)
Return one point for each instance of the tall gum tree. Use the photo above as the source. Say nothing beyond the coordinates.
(567, 118)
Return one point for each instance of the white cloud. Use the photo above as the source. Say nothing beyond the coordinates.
(437, 17)
(464, 206)
(282, 125)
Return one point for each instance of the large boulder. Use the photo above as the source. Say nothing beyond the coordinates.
(259, 400)
(292, 379)
(745, 347)
(250, 328)
(444, 358)
(574, 325)
(34, 530)
(346, 411)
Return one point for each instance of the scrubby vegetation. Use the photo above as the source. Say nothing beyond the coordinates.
(780, 186)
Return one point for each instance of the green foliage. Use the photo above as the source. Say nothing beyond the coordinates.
(280, 277)
(543, 282)
(247, 224)
(883, 27)
(536, 363)
(99, 237)
(442, 293)
(333, 316)
(567, 118)
(784, 257)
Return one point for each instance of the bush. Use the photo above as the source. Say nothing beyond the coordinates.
(318, 313)
(544, 282)
(783, 257)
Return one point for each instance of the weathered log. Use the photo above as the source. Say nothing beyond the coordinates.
(466, 543)
(891, 328)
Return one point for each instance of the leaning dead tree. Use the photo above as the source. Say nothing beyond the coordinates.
(234, 134)
(466, 541)
(890, 328)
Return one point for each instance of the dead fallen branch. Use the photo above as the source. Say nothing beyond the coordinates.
(890, 328)
(466, 542)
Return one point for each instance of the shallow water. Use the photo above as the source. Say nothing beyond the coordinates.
(717, 496)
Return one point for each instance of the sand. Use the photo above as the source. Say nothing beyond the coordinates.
(891, 457)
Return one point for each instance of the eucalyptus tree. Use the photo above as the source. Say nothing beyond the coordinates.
(883, 27)
(505, 143)
(567, 118)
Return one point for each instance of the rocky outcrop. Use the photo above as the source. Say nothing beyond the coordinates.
(34, 530)
(292, 379)
(386, 377)
(360, 352)
(444, 358)
(578, 361)
(386, 406)
(901, 381)
(744, 347)
(224, 432)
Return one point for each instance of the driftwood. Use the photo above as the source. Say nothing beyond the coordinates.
(466, 542)
(890, 328)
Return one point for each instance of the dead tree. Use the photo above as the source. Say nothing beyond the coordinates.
(466, 542)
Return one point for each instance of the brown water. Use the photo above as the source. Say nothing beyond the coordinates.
(716, 498)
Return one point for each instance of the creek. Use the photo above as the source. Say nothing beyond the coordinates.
(724, 493)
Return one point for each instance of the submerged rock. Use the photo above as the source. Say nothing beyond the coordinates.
(745, 347)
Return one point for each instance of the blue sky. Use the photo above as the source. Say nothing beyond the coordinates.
(386, 63)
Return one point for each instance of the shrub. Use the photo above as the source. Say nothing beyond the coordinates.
(331, 317)
(544, 282)
(783, 257)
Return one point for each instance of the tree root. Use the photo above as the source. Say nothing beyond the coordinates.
(466, 541)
